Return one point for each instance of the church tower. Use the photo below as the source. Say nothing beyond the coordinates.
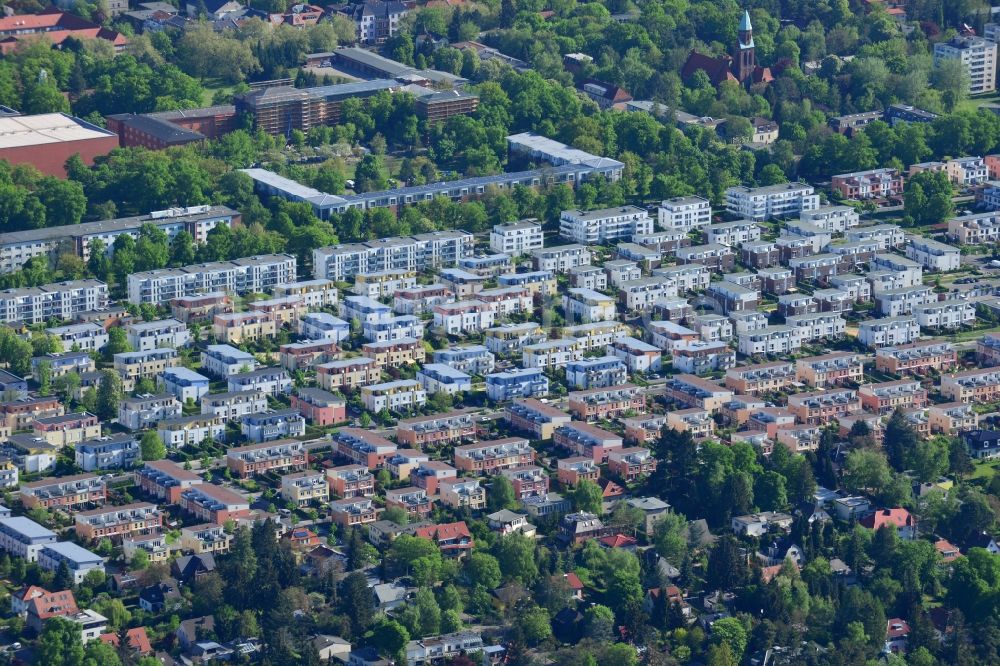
(744, 57)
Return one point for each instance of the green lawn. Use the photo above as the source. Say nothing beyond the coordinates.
(985, 470)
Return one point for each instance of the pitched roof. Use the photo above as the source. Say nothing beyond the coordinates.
(137, 640)
(53, 604)
(718, 69)
(899, 517)
(618, 541)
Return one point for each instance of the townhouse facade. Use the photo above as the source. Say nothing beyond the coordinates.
(916, 358)
(241, 276)
(66, 492)
(607, 403)
(278, 456)
(493, 456)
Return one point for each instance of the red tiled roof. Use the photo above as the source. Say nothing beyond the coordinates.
(137, 640)
(53, 604)
(573, 581)
(618, 541)
(718, 69)
(898, 517)
(610, 488)
(444, 532)
(897, 628)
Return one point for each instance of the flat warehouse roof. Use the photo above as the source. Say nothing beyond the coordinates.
(18, 131)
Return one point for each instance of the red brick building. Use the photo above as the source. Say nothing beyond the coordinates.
(214, 504)
(47, 140)
(166, 480)
(281, 455)
(319, 407)
(65, 492)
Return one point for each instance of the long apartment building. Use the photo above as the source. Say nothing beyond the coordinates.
(604, 225)
(833, 369)
(66, 492)
(138, 365)
(233, 405)
(978, 57)
(247, 275)
(16, 247)
(348, 373)
(977, 229)
(60, 301)
(980, 385)
(583, 439)
(278, 456)
(607, 403)
(888, 332)
(884, 397)
(535, 417)
(437, 429)
(517, 238)
(760, 377)
(771, 201)
(916, 358)
(439, 249)
(213, 504)
(871, 184)
(819, 407)
(165, 480)
(363, 447)
(692, 391)
(684, 214)
(118, 522)
(492, 457)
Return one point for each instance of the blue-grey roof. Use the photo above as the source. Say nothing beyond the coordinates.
(27, 527)
(73, 552)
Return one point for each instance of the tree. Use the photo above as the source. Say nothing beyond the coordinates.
(501, 494)
(64, 578)
(66, 386)
(117, 342)
(927, 198)
(587, 496)
(770, 492)
(535, 625)
(389, 636)
(356, 601)
(396, 514)
(727, 567)
(370, 174)
(182, 251)
(515, 554)
(43, 375)
(483, 569)
(152, 446)
(599, 622)
(109, 395)
(60, 643)
(731, 632)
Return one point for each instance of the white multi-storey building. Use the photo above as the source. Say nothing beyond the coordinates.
(888, 332)
(770, 340)
(438, 249)
(146, 335)
(732, 233)
(60, 301)
(517, 238)
(643, 293)
(587, 305)
(560, 259)
(607, 224)
(241, 276)
(978, 55)
(975, 229)
(933, 255)
(771, 201)
(84, 337)
(835, 219)
(949, 314)
(684, 213)
(817, 326)
(887, 236)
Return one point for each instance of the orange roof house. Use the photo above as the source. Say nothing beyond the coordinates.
(54, 25)
(137, 640)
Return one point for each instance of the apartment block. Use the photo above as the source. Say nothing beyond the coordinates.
(118, 522)
(363, 447)
(397, 396)
(541, 283)
(272, 425)
(772, 340)
(63, 363)
(200, 307)
(977, 55)
(684, 213)
(493, 456)
(517, 383)
(617, 272)
(271, 381)
(183, 384)
(632, 463)
(418, 253)
(886, 397)
(421, 298)
(834, 219)
(205, 538)
(112, 452)
(888, 332)
(948, 314)
(80, 562)
(933, 255)
(135, 366)
(596, 336)
(225, 360)
(165, 480)
(241, 276)
(319, 407)
(817, 326)
(61, 301)
(67, 429)
(833, 369)
(436, 430)
(382, 284)
(24, 538)
(718, 258)
(952, 418)
(233, 405)
(760, 377)
(551, 354)
(732, 234)
(471, 359)
(464, 317)
(607, 403)
(585, 440)
(644, 293)
(702, 358)
(350, 481)
(819, 407)
(587, 305)
(771, 201)
(979, 385)
(279, 456)
(150, 335)
(305, 355)
(560, 259)
(182, 431)
(599, 372)
(574, 469)
(348, 373)
(988, 349)
(637, 355)
(305, 487)
(734, 297)
(692, 391)
(975, 229)
(508, 300)
(535, 417)
(313, 293)
(517, 238)
(916, 358)
(459, 493)
(213, 504)
(644, 428)
(413, 500)
(528, 481)
(872, 184)
(601, 226)
(240, 327)
(88, 337)
(66, 492)
(696, 421)
(909, 272)
(351, 511)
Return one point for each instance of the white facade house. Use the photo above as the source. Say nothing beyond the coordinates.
(888, 332)
(83, 337)
(323, 326)
(933, 255)
(978, 55)
(147, 335)
(949, 314)
(732, 234)
(684, 213)
(604, 225)
(587, 305)
(560, 259)
(241, 276)
(61, 301)
(517, 383)
(817, 326)
(464, 317)
(774, 339)
(436, 377)
(771, 201)
(225, 360)
(397, 396)
(517, 238)
(835, 219)
(887, 236)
